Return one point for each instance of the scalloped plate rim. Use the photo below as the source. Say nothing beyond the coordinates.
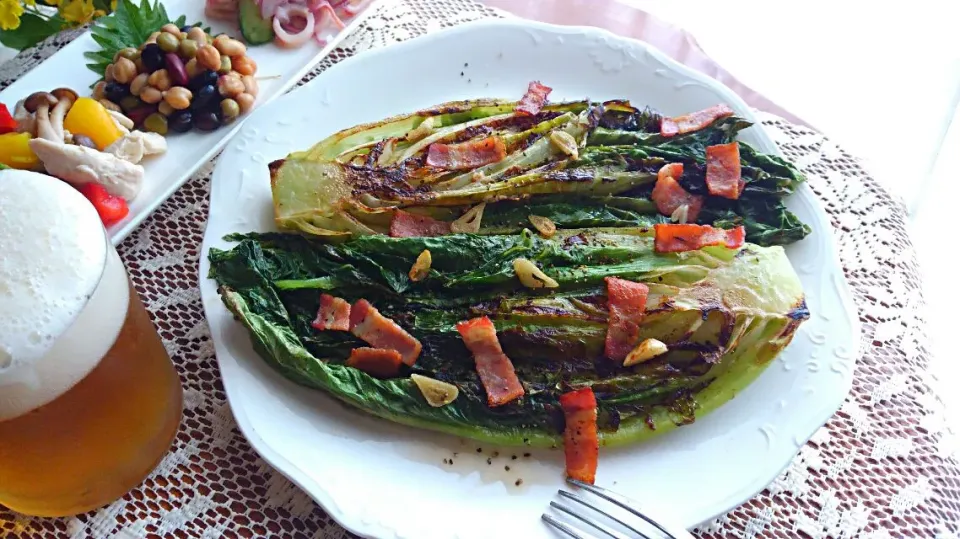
(213, 306)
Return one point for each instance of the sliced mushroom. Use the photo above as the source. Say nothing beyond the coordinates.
(39, 103)
(65, 99)
(26, 121)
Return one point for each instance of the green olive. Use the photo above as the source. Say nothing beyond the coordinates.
(168, 42)
(226, 65)
(129, 103)
(157, 123)
(230, 109)
(188, 48)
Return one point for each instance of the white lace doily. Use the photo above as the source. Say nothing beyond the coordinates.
(884, 467)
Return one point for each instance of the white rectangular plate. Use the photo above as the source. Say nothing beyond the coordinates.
(384, 480)
(188, 151)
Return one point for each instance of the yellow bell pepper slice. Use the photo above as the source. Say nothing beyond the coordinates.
(15, 151)
(90, 118)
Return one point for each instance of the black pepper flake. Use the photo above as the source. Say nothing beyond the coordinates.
(526, 455)
(444, 461)
(513, 457)
(519, 482)
(496, 454)
(506, 468)
(489, 462)
(465, 64)
(479, 450)
(450, 462)
(461, 73)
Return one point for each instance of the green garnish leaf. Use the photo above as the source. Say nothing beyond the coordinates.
(129, 26)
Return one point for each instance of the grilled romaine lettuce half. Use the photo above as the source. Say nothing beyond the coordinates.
(724, 314)
(351, 183)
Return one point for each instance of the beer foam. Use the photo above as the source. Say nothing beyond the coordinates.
(53, 254)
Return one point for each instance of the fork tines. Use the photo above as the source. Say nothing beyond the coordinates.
(670, 532)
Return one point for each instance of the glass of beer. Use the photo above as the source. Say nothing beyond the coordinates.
(89, 399)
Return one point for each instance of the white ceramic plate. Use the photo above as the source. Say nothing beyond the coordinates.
(186, 152)
(384, 480)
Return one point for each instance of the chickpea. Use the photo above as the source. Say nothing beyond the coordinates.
(108, 73)
(250, 85)
(98, 90)
(208, 57)
(124, 70)
(230, 85)
(109, 105)
(178, 97)
(192, 68)
(168, 42)
(171, 28)
(139, 63)
(151, 95)
(153, 38)
(230, 47)
(165, 108)
(245, 101)
(160, 79)
(139, 83)
(244, 65)
(129, 53)
(197, 35)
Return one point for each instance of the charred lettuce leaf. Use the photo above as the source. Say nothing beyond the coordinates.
(351, 183)
(724, 314)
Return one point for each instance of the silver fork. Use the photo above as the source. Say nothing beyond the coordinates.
(669, 531)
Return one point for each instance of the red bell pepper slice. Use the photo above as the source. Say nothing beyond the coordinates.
(8, 124)
(111, 208)
(581, 444)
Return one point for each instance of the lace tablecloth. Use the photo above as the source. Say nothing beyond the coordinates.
(885, 465)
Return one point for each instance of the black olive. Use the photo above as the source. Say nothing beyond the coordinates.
(203, 97)
(114, 91)
(152, 57)
(180, 121)
(207, 121)
(203, 79)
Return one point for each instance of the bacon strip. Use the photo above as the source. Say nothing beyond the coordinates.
(581, 445)
(723, 171)
(334, 313)
(533, 100)
(367, 323)
(694, 121)
(494, 367)
(669, 195)
(466, 155)
(378, 362)
(626, 302)
(410, 225)
(670, 238)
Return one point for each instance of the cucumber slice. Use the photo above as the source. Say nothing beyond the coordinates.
(255, 29)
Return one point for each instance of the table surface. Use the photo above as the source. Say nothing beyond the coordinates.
(841, 85)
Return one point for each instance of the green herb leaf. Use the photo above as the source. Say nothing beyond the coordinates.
(32, 30)
(129, 26)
